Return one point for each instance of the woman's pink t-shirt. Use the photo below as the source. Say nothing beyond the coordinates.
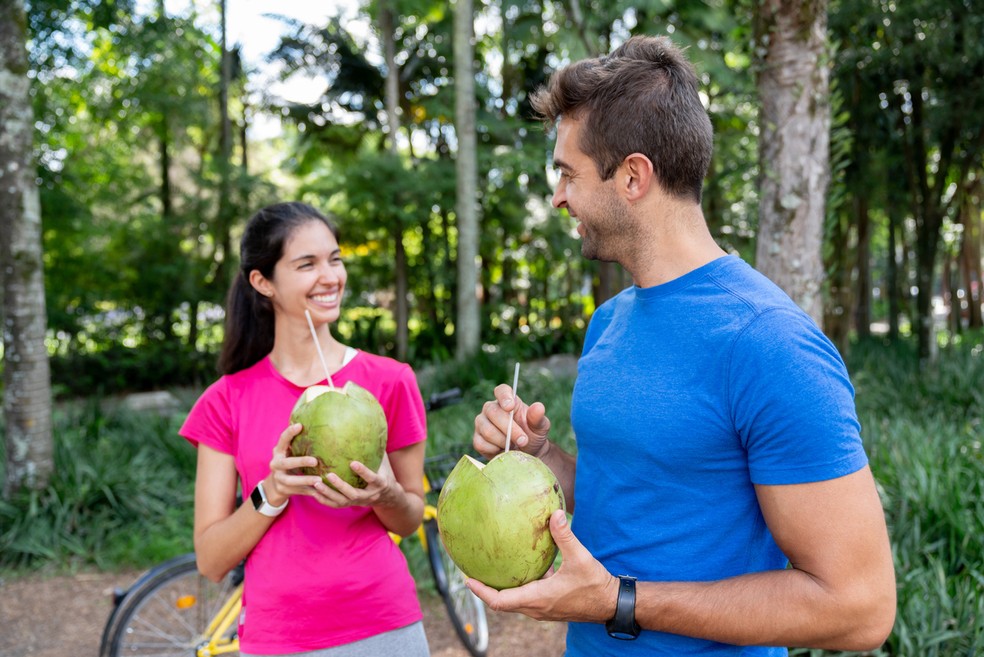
(319, 577)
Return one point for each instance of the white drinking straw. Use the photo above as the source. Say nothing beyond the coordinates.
(509, 426)
(317, 345)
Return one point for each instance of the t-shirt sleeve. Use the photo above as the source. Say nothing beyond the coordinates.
(793, 402)
(404, 408)
(210, 420)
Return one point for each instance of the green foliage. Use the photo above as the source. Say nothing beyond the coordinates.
(119, 368)
(887, 372)
(121, 495)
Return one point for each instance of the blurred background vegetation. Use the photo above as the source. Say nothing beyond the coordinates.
(153, 148)
(146, 178)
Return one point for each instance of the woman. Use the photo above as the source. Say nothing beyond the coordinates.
(323, 577)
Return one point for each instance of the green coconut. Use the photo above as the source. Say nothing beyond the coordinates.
(341, 425)
(494, 518)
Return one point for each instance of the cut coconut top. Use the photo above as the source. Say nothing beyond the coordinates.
(313, 392)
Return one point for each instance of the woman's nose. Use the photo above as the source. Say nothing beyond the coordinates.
(328, 273)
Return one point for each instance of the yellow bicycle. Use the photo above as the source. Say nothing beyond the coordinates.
(173, 610)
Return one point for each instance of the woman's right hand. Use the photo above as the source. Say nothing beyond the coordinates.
(529, 428)
(283, 478)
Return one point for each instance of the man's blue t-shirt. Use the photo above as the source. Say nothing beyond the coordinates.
(688, 394)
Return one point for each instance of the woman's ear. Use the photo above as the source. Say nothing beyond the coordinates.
(260, 283)
(637, 172)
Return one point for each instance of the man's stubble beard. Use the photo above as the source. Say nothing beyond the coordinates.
(602, 238)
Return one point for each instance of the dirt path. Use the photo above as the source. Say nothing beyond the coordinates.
(64, 616)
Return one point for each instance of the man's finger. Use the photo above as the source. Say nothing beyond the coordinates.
(560, 529)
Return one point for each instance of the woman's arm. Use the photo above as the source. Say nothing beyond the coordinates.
(224, 535)
(406, 512)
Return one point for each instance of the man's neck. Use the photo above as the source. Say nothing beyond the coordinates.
(677, 242)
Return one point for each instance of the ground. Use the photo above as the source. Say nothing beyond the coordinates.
(44, 616)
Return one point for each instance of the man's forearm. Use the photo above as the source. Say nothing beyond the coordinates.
(780, 608)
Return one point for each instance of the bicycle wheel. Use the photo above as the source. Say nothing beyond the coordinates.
(466, 610)
(168, 611)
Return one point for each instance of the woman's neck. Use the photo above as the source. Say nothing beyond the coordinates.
(296, 357)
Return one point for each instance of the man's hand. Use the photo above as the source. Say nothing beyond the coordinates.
(529, 428)
(580, 590)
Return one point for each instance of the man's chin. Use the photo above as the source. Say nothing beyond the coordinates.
(590, 251)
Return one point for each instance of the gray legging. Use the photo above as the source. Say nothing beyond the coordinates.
(409, 641)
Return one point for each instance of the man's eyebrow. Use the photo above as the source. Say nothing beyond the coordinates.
(560, 164)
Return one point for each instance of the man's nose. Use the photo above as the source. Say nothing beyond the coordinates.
(559, 199)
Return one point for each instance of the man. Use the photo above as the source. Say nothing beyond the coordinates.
(719, 459)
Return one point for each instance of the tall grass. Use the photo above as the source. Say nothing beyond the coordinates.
(923, 427)
(124, 485)
(119, 496)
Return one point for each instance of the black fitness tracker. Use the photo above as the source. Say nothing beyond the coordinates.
(623, 624)
(260, 503)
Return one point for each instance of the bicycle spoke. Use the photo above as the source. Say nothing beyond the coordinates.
(173, 616)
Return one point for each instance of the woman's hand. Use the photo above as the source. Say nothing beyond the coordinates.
(284, 478)
(382, 489)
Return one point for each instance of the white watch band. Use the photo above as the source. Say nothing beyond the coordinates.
(261, 504)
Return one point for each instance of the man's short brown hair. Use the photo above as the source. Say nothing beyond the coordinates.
(642, 98)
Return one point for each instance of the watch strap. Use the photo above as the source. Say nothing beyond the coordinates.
(623, 624)
(261, 504)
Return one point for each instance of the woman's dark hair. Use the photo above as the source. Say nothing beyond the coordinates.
(249, 323)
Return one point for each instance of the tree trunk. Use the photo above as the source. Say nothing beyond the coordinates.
(225, 211)
(862, 312)
(794, 147)
(468, 326)
(26, 374)
(892, 287)
(970, 254)
(392, 100)
(837, 311)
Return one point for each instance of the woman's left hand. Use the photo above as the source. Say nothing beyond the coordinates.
(382, 488)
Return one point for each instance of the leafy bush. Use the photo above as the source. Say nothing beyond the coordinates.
(124, 369)
(121, 495)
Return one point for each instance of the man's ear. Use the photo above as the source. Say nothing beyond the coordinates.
(636, 176)
(260, 283)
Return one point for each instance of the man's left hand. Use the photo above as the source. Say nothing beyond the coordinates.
(581, 590)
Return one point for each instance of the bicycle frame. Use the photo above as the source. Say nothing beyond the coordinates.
(218, 641)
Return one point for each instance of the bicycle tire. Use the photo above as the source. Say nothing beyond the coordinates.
(151, 620)
(465, 609)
